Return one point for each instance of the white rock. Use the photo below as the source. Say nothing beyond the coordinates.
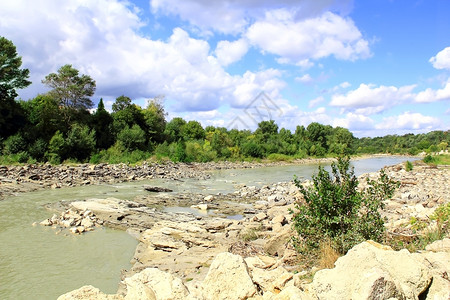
(88, 292)
(152, 283)
(369, 270)
(228, 278)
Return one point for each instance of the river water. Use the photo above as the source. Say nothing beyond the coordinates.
(37, 263)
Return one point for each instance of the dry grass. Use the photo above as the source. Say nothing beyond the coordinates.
(327, 255)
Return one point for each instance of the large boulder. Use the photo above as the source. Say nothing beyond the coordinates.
(439, 264)
(88, 292)
(152, 283)
(372, 271)
(228, 278)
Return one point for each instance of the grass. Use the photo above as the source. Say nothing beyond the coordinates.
(327, 255)
(441, 159)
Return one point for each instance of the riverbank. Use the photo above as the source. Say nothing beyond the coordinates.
(185, 246)
(26, 178)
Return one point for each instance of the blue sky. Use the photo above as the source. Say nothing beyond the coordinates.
(374, 67)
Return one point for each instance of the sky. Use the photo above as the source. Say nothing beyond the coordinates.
(375, 67)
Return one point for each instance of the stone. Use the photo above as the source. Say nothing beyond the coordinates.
(292, 292)
(46, 222)
(439, 246)
(260, 216)
(88, 292)
(208, 198)
(228, 278)
(439, 264)
(369, 270)
(152, 283)
(87, 222)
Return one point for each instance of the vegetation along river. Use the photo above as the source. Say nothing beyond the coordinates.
(37, 263)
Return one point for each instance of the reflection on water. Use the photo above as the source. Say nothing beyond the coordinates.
(36, 263)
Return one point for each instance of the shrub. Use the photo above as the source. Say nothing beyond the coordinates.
(132, 138)
(408, 166)
(428, 159)
(252, 149)
(335, 210)
(14, 144)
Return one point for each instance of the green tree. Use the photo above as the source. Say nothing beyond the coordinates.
(11, 79)
(155, 120)
(174, 129)
(11, 76)
(125, 113)
(102, 123)
(334, 209)
(132, 138)
(193, 130)
(71, 90)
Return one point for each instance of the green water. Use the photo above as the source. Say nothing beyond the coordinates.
(36, 263)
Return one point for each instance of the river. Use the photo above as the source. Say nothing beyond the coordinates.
(37, 263)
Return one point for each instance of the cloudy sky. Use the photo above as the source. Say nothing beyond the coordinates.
(374, 67)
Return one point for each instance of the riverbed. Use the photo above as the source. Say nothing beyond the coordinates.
(37, 263)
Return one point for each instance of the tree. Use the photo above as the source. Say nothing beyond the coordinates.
(71, 90)
(155, 120)
(174, 129)
(11, 78)
(193, 130)
(102, 123)
(335, 210)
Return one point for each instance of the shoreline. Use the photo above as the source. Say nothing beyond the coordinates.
(16, 179)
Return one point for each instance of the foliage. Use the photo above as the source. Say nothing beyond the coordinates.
(71, 90)
(132, 138)
(441, 159)
(14, 144)
(11, 76)
(336, 210)
(408, 166)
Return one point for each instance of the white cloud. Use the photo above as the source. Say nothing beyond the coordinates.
(304, 79)
(354, 122)
(232, 17)
(430, 95)
(297, 42)
(315, 101)
(345, 85)
(410, 121)
(229, 52)
(442, 59)
(101, 38)
(369, 99)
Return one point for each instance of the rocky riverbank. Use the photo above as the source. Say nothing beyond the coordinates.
(211, 255)
(26, 178)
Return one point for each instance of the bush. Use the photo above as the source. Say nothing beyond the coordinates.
(252, 149)
(408, 166)
(428, 159)
(14, 144)
(132, 138)
(337, 211)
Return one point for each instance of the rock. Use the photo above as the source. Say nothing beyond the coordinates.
(271, 280)
(260, 216)
(201, 206)
(152, 283)
(156, 189)
(46, 222)
(368, 270)
(439, 264)
(228, 278)
(276, 245)
(88, 292)
(289, 293)
(439, 246)
(87, 222)
(208, 198)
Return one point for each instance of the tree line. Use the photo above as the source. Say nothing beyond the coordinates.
(59, 126)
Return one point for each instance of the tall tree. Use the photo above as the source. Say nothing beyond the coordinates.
(11, 78)
(71, 90)
(155, 119)
(102, 123)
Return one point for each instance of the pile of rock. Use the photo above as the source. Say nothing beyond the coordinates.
(368, 271)
(278, 194)
(75, 220)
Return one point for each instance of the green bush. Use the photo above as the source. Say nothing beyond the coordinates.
(14, 144)
(335, 210)
(408, 166)
(252, 149)
(428, 159)
(132, 138)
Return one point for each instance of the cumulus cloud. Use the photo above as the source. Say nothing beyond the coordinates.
(298, 42)
(369, 99)
(354, 122)
(430, 95)
(410, 121)
(101, 38)
(306, 79)
(442, 59)
(316, 101)
(232, 17)
(229, 52)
